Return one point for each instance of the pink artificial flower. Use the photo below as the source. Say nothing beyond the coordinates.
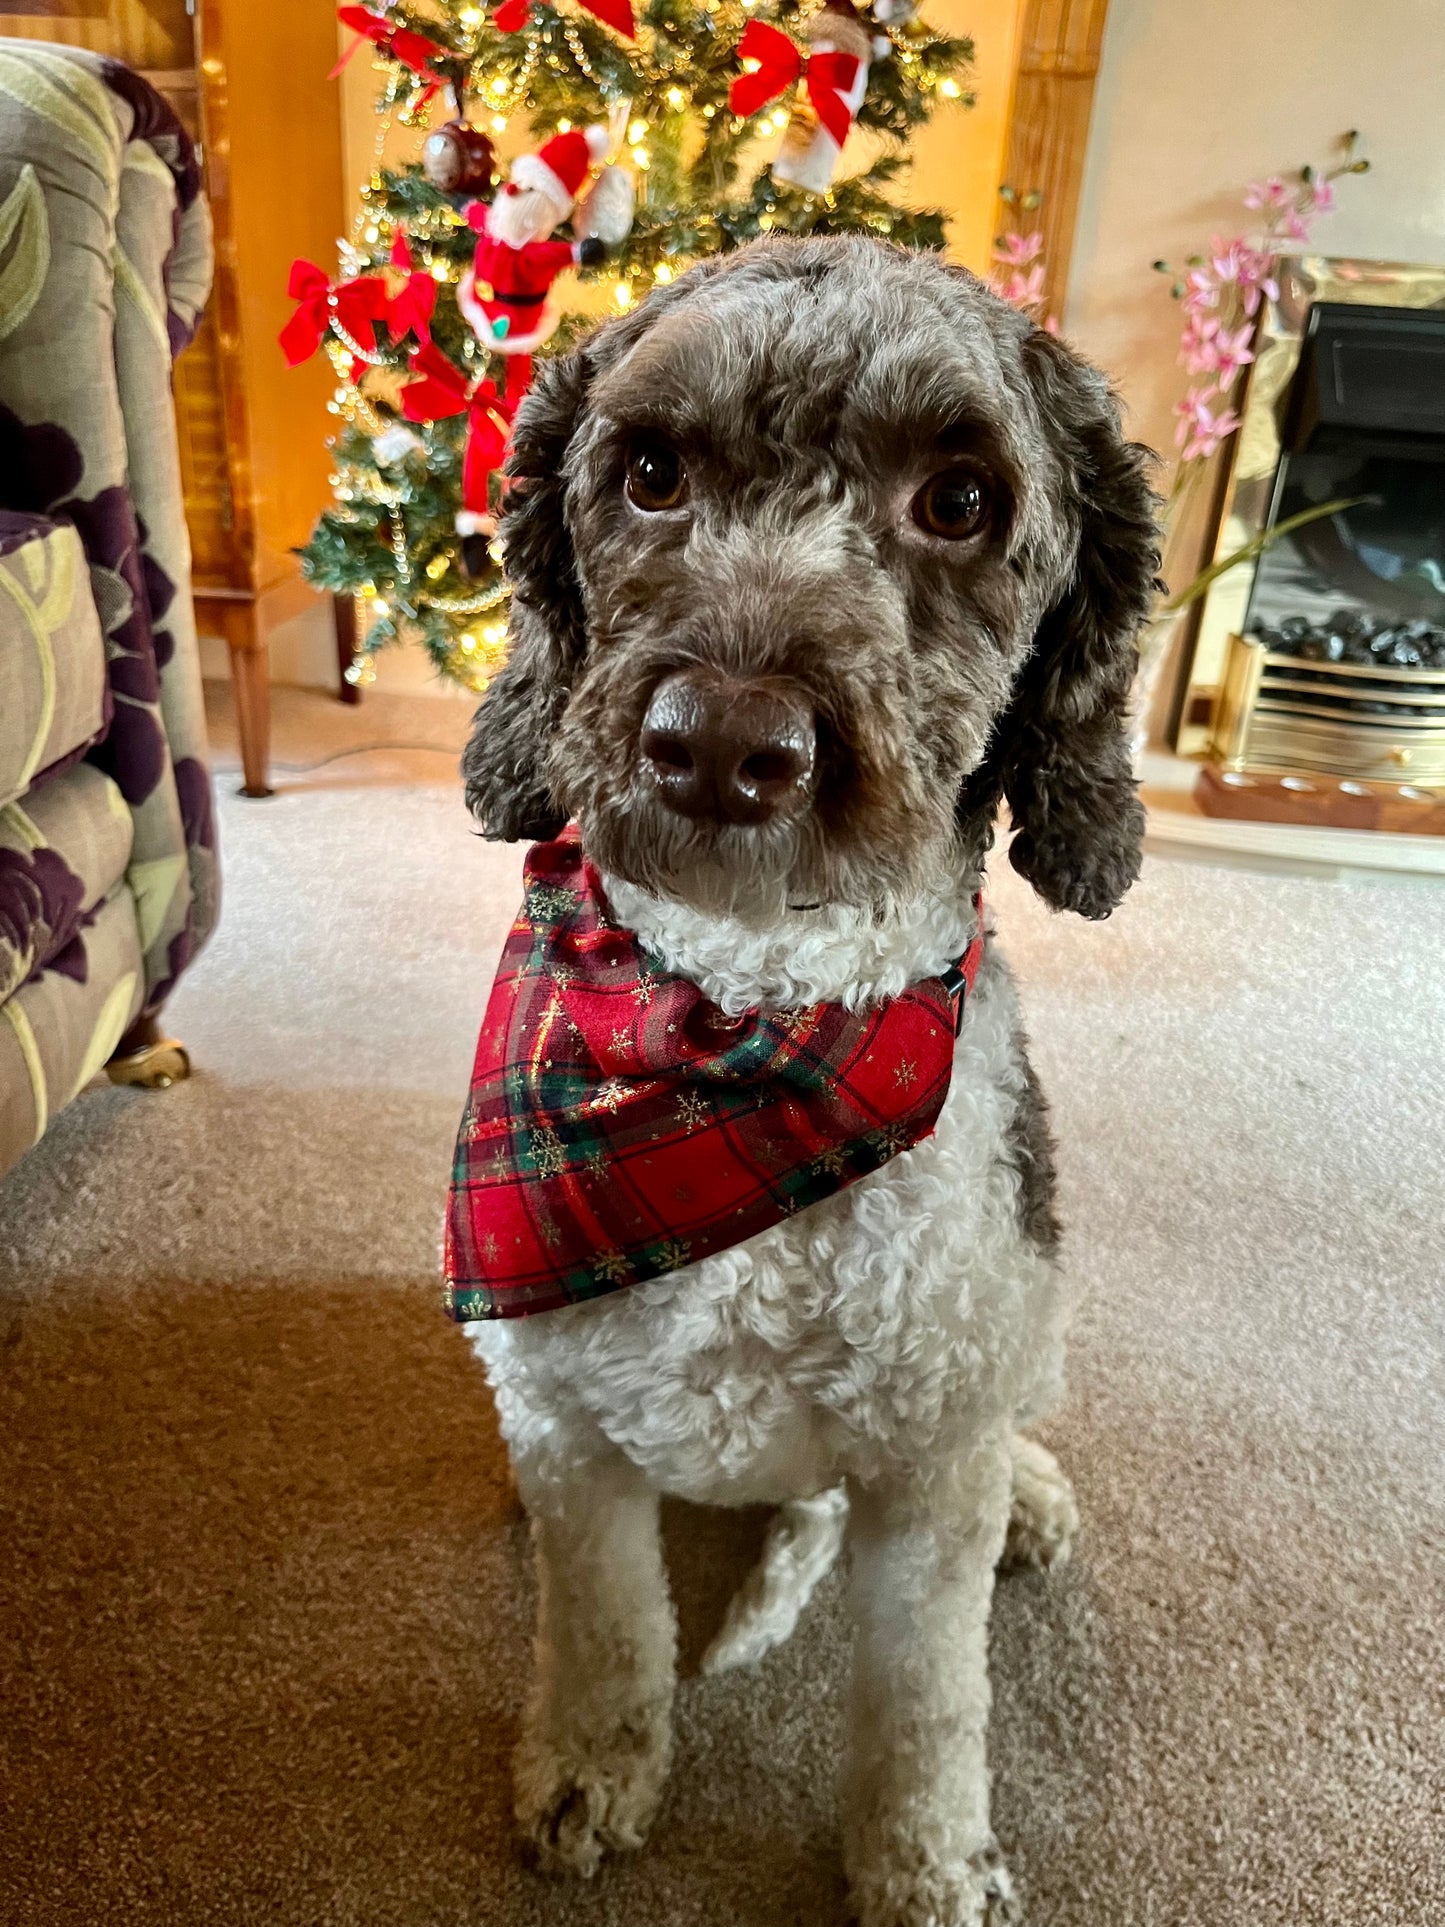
(1271, 194)
(1201, 291)
(1196, 343)
(1200, 430)
(1226, 257)
(1208, 348)
(1256, 277)
(1322, 194)
(1231, 353)
(1296, 227)
(1019, 249)
(1024, 290)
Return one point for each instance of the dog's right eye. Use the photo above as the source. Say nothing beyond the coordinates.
(656, 478)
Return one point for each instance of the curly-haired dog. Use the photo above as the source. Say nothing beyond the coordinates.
(819, 556)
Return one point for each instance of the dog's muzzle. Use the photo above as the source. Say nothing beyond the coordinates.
(733, 751)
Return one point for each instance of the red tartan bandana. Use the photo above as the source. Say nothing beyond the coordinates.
(620, 1125)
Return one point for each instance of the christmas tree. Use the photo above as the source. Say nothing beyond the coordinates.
(660, 137)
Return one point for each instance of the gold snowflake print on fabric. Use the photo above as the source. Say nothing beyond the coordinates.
(547, 1152)
(833, 1160)
(610, 1268)
(643, 989)
(692, 1111)
(621, 1039)
(905, 1074)
(489, 1248)
(597, 1164)
(889, 1141)
(610, 1096)
(672, 1252)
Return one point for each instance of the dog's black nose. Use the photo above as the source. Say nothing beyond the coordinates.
(738, 751)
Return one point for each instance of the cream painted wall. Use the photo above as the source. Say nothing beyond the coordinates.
(1192, 102)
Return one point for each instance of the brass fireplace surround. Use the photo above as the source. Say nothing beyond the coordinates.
(1241, 706)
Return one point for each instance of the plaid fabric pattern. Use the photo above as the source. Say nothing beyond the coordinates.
(620, 1125)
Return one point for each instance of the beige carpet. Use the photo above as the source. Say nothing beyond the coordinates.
(264, 1596)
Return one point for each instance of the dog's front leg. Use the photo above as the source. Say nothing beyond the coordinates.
(597, 1737)
(924, 1543)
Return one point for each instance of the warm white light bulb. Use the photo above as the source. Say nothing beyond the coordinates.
(676, 98)
(564, 127)
(664, 273)
(622, 295)
(950, 88)
(637, 131)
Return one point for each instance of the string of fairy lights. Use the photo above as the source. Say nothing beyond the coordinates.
(432, 592)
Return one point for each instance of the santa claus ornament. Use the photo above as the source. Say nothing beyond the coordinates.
(505, 294)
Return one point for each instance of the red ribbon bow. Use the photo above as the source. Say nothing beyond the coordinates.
(780, 61)
(511, 15)
(410, 309)
(444, 390)
(357, 304)
(401, 44)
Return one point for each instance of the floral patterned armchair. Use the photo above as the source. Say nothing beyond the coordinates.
(108, 874)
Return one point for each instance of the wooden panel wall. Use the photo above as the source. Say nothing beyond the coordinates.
(1049, 123)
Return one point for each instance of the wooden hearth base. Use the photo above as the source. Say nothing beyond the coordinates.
(1336, 802)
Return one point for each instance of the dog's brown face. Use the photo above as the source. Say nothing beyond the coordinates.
(815, 556)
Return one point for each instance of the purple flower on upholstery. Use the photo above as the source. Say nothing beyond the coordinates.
(1272, 194)
(1200, 429)
(40, 908)
(193, 787)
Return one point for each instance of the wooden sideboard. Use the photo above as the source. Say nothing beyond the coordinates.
(250, 84)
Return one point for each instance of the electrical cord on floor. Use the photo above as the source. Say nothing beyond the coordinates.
(340, 755)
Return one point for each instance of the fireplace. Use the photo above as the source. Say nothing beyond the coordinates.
(1317, 685)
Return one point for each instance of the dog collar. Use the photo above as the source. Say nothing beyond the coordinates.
(621, 1126)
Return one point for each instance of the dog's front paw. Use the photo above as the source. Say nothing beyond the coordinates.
(1044, 1515)
(576, 1804)
(979, 1893)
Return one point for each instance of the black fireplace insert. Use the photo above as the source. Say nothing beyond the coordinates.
(1364, 417)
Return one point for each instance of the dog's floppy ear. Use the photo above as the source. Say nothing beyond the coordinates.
(504, 764)
(1062, 750)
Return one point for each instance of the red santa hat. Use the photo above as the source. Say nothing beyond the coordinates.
(560, 165)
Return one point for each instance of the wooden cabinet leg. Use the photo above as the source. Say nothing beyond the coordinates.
(251, 680)
(345, 611)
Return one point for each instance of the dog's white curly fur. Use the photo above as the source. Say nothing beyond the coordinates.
(887, 1343)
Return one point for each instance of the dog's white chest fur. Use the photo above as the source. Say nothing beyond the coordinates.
(879, 1324)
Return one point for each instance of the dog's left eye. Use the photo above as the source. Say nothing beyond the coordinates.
(656, 478)
(954, 504)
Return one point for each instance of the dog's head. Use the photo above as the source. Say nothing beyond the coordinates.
(816, 555)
